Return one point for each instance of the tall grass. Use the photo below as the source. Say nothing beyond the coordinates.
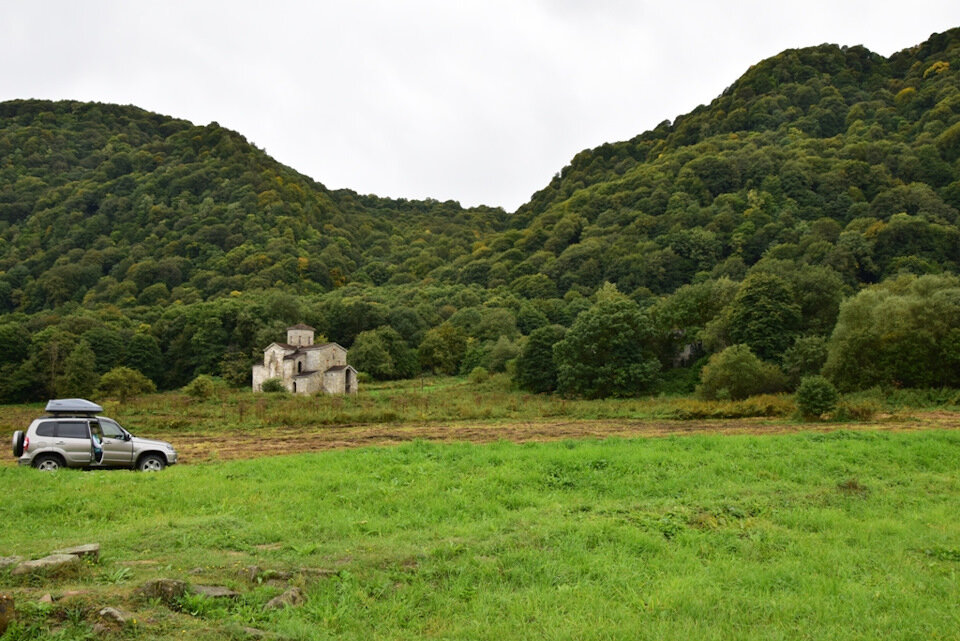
(433, 400)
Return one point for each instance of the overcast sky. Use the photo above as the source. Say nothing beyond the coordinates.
(477, 101)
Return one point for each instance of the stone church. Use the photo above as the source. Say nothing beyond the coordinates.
(306, 368)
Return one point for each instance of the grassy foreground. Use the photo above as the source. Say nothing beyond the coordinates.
(844, 535)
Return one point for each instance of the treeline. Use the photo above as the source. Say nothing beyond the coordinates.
(904, 332)
(797, 216)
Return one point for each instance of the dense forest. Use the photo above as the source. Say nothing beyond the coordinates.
(804, 222)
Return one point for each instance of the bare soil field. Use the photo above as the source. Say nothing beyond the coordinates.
(197, 447)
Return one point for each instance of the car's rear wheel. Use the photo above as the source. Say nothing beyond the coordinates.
(18, 437)
(48, 462)
(151, 463)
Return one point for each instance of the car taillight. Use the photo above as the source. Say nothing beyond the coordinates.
(26, 443)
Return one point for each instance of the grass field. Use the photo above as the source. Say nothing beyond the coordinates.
(842, 535)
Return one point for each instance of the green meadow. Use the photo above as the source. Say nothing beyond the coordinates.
(841, 535)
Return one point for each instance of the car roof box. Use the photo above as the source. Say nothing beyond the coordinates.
(72, 406)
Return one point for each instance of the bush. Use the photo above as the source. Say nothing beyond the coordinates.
(762, 405)
(862, 409)
(273, 385)
(201, 387)
(478, 375)
(124, 383)
(735, 373)
(816, 396)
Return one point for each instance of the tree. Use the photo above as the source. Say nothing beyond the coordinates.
(108, 346)
(442, 349)
(79, 377)
(736, 373)
(536, 371)
(902, 332)
(125, 383)
(608, 350)
(143, 354)
(14, 343)
(383, 354)
(804, 358)
(503, 351)
(764, 316)
(235, 367)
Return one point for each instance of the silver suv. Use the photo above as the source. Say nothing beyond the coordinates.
(73, 435)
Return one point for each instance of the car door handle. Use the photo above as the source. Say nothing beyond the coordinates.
(60, 442)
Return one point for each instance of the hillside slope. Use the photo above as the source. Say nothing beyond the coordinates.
(811, 155)
(111, 204)
(181, 249)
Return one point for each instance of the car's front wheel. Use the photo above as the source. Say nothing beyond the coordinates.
(151, 463)
(48, 462)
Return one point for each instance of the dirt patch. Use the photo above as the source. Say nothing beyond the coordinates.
(197, 448)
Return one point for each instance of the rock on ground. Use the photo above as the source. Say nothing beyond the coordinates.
(52, 564)
(291, 598)
(89, 551)
(7, 561)
(215, 591)
(114, 616)
(167, 590)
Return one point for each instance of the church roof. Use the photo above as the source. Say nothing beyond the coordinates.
(322, 345)
(339, 368)
(295, 349)
(301, 326)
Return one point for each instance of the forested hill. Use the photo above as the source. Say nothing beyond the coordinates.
(814, 154)
(110, 204)
(181, 249)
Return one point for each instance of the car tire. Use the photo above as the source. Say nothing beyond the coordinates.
(48, 462)
(18, 437)
(151, 463)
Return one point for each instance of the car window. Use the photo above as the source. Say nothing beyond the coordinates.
(72, 429)
(46, 428)
(110, 428)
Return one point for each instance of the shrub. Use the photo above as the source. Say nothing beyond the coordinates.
(816, 396)
(761, 405)
(273, 385)
(478, 375)
(735, 373)
(862, 409)
(124, 383)
(200, 387)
